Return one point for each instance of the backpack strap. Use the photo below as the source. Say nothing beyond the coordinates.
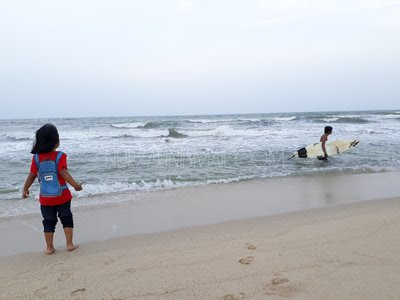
(36, 158)
(58, 158)
(59, 154)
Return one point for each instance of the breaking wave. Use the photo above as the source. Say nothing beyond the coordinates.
(128, 125)
(160, 124)
(18, 136)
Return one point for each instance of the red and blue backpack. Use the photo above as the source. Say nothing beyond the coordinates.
(48, 176)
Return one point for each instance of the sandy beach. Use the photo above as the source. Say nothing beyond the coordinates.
(323, 241)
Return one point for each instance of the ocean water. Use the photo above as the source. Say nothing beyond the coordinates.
(119, 156)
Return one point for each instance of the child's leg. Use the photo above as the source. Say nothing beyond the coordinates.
(48, 236)
(49, 214)
(69, 232)
(65, 215)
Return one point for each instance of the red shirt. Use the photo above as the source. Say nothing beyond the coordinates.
(66, 195)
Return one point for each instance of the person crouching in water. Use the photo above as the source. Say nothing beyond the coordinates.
(50, 166)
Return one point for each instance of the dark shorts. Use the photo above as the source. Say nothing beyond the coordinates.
(50, 213)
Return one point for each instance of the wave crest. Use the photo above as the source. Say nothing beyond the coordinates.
(348, 120)
(18, 136)
(128, 125)
(160, 124)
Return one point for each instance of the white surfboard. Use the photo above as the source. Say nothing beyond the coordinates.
(332, 148)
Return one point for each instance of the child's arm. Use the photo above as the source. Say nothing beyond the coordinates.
(28, 182)
(68, 178)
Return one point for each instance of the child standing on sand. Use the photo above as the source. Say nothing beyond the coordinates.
(50, 166)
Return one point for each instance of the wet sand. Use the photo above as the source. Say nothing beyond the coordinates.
(198, 206)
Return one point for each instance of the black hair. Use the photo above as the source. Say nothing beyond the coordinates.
(46, 139)
(328, 129)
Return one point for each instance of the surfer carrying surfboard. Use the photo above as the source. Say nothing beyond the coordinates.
(324, 139)
(323, 148)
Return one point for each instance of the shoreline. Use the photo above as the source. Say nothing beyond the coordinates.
(140, 193)
(166, 210)
(135, 195)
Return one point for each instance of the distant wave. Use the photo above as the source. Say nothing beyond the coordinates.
(228, 131)
(18, 137)
(262, 121)
(146, 125)
(123, 136)
(128, 125)
(160, 124)
(388, 113)
(392, 116)
(292, 118)
(187, 122)
(352, 120)
(136, 134)
(221, 130)
(349, 120)
(267, 121)
(206, 121)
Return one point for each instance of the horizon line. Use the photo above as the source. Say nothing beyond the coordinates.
(193, 115)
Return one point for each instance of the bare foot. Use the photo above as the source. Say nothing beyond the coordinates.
(50, 251)
(72, 247)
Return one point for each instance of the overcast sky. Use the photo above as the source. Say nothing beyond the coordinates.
(121, 57)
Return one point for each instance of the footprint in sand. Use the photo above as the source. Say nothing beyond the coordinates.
(251, 247)
(64, 276)
(279, 286)
(241, 296)
(78, 291)
(108, 262)
(246, 260)
(130, 270)
(279, 280)
(41, 292)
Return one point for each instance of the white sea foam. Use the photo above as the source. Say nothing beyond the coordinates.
(330, 119)
(117, 187)
(120, 187)
(390, 116)
(128, 125)
(19, 136)
(249, 120)
(128, 133)
(235, 120)
(225, 130)
(292, 118)
(207, 121)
